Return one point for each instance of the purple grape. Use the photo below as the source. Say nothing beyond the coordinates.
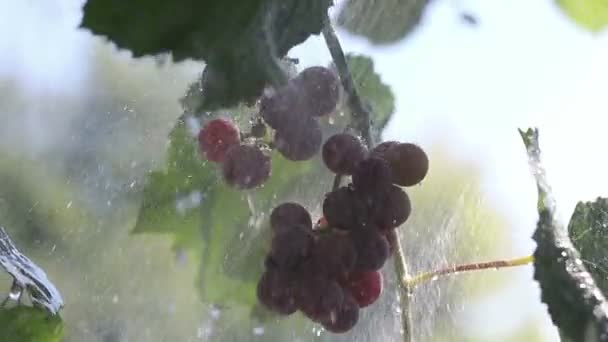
(342, 152)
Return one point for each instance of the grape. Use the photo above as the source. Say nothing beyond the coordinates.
(320, 89)
(290, 246)
(390, 207)
(245, 167)
(372, 173)
(334, 254)
(342, 152)
(345, 318)
(217, 137)
(277, 291)
(343, 209)
(319, 297)
(289, 214)
(409, 163)
(372, 249)
(280, 108)
(364, 286)
(300, 141)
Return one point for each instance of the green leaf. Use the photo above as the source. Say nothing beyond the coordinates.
(590, 14)
(373, 92)
(588, 230)
(382, 21)
(371, 88)
(240, 41)
(30, 324)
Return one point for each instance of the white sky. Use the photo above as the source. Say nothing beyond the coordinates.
(525, 64)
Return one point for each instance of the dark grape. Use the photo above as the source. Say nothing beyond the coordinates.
(345, 318)
(390, 207)
(281, 107)
(277, 291)
(320, 89)
(334, 254)
(371, 174)
(380, 149)
(409, 163)
(364, 286)
(343, 209)
(300, 141)
(342, 152)
(291, 246)
(319, 297)
(246, 167)
(289, 214)
(372, 249)
(216, 137)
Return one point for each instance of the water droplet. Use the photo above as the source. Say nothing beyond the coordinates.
(15, 293)
(132, 184)
(69, 205)
(115, 299)
(258, 331)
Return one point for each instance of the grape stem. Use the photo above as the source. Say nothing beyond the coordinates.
(496, 264)
(359, 112)
(361, 122)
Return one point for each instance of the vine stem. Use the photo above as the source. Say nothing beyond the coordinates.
(496, 264)
(361, 122)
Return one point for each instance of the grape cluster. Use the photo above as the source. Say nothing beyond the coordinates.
(244, 166)
(292, 111)
(323, 273)
(332, 271)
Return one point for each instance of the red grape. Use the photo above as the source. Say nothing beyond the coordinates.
(216, 137)
(364, 286)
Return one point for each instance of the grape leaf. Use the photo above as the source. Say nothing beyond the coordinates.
(588, 230)
(382, 21)
(372, 91)
(240, 41)
(371, 88)
(575, 303)
(590, 14)
(30, 324)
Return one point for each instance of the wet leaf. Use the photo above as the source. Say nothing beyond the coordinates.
(588, 230)
(382, 21)
(376, 93)
(590, 14)
(240, 40)
(30, 324)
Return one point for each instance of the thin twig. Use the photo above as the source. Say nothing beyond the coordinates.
(496, 264)
(361, 122)
(360, 114)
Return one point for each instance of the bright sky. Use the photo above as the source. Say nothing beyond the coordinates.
(525, 64)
